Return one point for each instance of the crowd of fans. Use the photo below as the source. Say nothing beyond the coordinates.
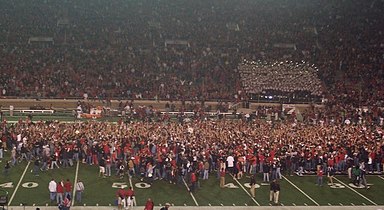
(117, 49)
(173, 150)
(280, 78)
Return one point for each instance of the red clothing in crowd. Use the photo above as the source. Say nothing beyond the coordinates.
(129, 193)
(193, 177)
(68, 186)
(59, 188)
(149, 205)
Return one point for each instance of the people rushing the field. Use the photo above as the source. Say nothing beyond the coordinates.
(149, 205)
(52, 187)
(120, 197)
(60, 192)
(319, 174)
(129, 195)
(252, 183)
(68, 188)
(274, 192)
(66, 204)
(79, 190)
(7, 167)
(166, 206)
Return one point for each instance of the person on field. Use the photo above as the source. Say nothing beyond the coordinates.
(330, 175)
(320, 174)
(193, 179)
(66, 204)
(253, 186)
(129, 197)
(7, 167)
(60, 192)
(274, 192)
(149, 205)
(166, 207)
(120, 195)
(222, 177)
(68, 189)
(52, 187)
(79, 190)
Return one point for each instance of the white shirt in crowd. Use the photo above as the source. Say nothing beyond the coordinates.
(52, 186)
(230, 161)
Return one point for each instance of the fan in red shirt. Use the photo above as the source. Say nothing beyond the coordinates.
(60, 192)
(68, 189)
(120, 198)
(149, 204)
(129, 195)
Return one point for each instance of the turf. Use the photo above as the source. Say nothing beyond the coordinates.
(100, 191)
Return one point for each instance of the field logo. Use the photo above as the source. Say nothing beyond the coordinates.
(25, 185)
(336, 186)
(30, 185)
(119, 185)
(231, 186)
(361, 186)
(142, 185)
(7, 185)
(248, 185)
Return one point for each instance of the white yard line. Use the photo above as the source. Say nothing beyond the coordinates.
(381, 177)
(246, 191)
(134, 197)
(18, 184)
(75, 183)
(193, 197)
(306, 195)
(355, 191)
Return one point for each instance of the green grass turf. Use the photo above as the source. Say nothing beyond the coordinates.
(13, 176)
(99, 190)
(288, 195)
(162, 192)
(211, 193)
(325, 194)
(40, 195)
(374, 193)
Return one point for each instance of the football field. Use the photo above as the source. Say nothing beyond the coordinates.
(25, 188)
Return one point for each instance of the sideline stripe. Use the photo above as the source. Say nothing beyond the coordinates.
(74, 184)
(355, 191)
(254, 200)
(381, 177)
(193, 197)
(134, 197)
(18, 184)
(306, 195)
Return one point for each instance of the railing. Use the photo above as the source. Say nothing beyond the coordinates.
(31, 111)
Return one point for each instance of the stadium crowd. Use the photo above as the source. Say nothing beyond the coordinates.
(186, 50)
(284, 78)
(190, 50)
(172, 150)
